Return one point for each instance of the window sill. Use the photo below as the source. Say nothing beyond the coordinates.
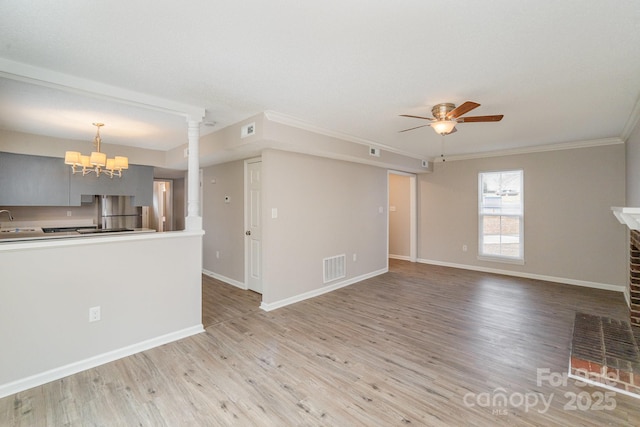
(501, 259)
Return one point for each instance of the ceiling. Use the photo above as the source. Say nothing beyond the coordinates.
(560, 72)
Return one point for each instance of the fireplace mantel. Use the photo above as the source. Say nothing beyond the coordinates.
(628, 216)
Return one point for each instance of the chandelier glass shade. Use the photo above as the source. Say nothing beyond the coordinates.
(443, 127)
(97, 162)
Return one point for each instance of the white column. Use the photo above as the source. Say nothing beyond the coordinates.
(193, 220)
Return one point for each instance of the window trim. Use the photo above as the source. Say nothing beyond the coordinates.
(519, 260)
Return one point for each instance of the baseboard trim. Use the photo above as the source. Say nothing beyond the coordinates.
(224, 279)
(400, 257)
(82, 365)
(563, 280)
(320, 291)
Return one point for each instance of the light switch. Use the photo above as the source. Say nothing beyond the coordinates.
(274, 213)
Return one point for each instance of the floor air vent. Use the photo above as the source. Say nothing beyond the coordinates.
(334, 267)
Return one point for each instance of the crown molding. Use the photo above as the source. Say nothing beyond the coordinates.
(285, 119)
(536, 149)
(42, 77)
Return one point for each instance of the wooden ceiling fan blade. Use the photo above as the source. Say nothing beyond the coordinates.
(417, 127)
(475, 119)
(417, 117)
(461, 109)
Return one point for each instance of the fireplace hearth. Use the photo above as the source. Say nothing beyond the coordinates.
(606, 351)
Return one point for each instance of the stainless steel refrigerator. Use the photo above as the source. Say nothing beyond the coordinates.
(118, 212)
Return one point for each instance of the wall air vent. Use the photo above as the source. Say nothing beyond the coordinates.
(373, 151)
(334, 267)
(248, 130)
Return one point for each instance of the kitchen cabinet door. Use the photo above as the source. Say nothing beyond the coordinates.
(33, 180)
(137, 181)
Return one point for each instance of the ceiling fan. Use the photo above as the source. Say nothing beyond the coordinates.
(446, 116)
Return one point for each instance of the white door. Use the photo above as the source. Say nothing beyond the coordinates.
(253, 228)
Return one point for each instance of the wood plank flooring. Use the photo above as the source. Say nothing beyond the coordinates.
(420, 345)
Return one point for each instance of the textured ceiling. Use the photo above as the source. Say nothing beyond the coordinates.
(559, 71)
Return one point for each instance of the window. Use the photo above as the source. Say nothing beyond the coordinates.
(501, 216)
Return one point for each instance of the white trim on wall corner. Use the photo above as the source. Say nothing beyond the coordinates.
(627, 296)
(563, 280)
(320, 291)
(225, 279)
(100, 359)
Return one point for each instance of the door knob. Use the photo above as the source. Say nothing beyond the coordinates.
(248, 232)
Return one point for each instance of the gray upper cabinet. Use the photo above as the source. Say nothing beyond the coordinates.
(137, 181)
(46, 181)
(33, 181)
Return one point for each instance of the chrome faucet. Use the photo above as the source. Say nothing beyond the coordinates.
(8, 212)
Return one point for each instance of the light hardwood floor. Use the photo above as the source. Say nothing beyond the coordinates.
(420, 345)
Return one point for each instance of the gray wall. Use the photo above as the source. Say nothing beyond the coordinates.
(399, 219)
(569, 229)
(224, 222)
(325, 208)
(39, 145)
(633, 168)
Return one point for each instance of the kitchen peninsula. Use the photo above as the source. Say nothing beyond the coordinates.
(146, 285)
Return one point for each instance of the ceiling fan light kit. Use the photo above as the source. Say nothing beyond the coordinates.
(443, 127)
(446, 116)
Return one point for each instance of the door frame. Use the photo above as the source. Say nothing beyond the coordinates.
(247, 247)
(413, 213)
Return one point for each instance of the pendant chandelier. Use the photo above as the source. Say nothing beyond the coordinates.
(97, 162)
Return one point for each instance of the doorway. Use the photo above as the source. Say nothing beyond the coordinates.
(402, 218)
(253, 224)
(161, 218)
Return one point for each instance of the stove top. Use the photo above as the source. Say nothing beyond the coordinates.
(102, 230)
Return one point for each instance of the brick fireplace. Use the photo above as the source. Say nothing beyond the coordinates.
(607, 351)
(634, 278)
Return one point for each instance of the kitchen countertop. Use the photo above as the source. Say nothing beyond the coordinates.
(29, 231)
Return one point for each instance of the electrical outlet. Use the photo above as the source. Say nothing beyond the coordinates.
(68, 213)
(464, 248)
(94, 314)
